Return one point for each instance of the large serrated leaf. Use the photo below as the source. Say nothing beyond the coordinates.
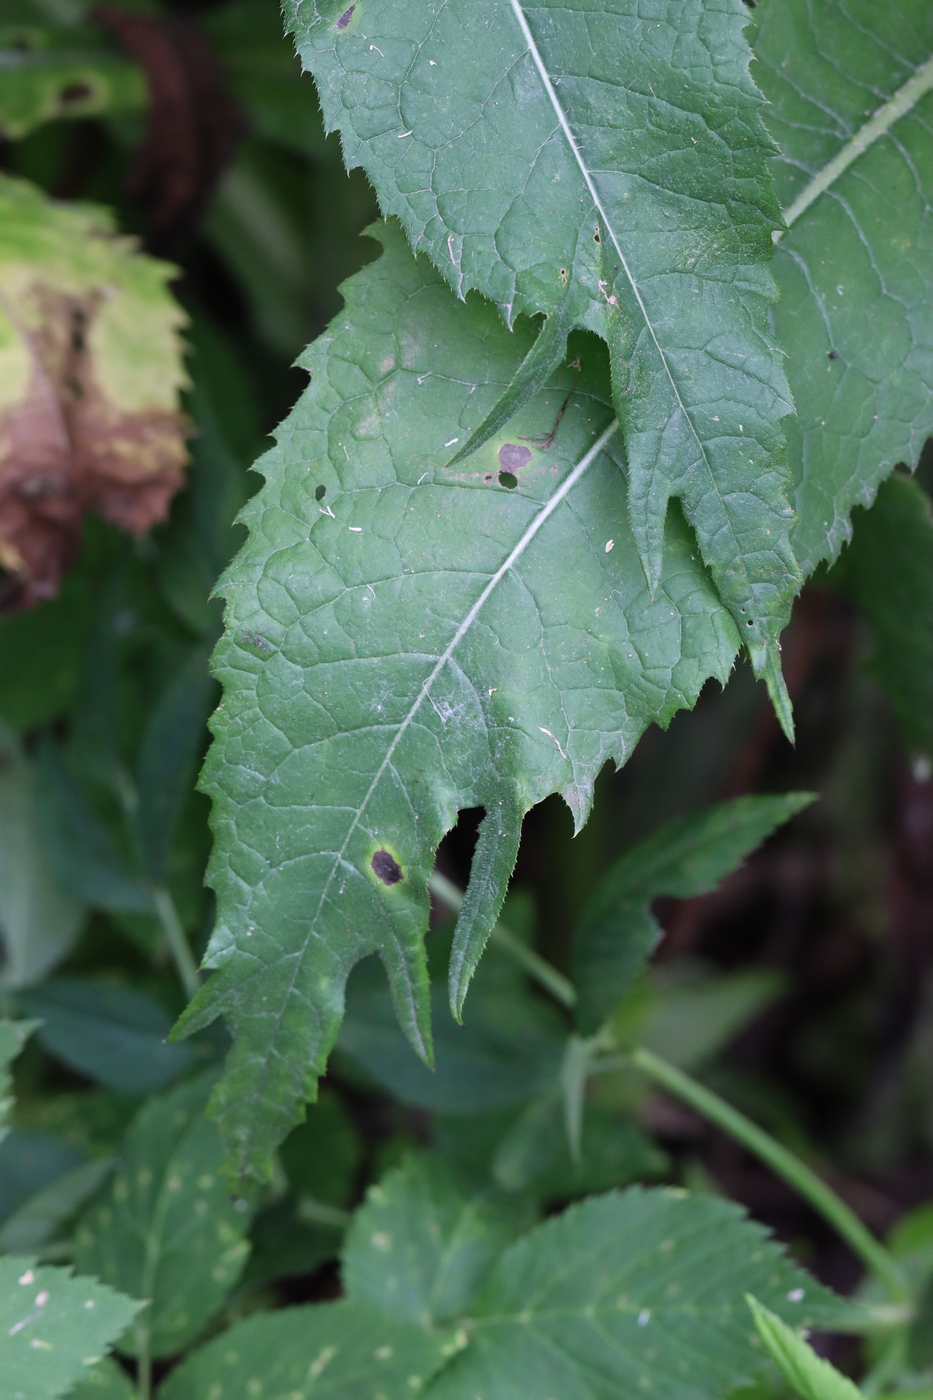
(632, 1293)
(166, 1230)
(604, 164)
(53, 1327)
(420, 1247)
(851, 107)
(335, 1351)
(403, 642)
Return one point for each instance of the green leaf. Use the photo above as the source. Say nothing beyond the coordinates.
(167, 1230)
(31, 1161)
(80, 849)
(535, 1156)
(322, 1156)
(113, 1034)
(167, 760)
(38, 920)
(897, 602)
(420, 1248)
(52, 1327)
(693, 1013)
(805, 1372)
(687, 857)
(105, 1381)
(608, 167)
(509, 1048)
(13, 1036)
(39, 1219)
(399, 645)
(850, 108)
(639, 1292)
(49, 74)
(335, 1351)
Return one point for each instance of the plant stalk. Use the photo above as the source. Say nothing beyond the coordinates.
(177, 942)
(783, 1163)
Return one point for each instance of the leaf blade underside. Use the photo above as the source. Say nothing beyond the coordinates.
(609, 170)
(401, 644)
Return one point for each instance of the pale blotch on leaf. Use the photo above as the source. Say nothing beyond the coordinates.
(90, 373)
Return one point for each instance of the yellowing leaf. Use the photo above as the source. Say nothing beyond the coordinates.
(90, 370)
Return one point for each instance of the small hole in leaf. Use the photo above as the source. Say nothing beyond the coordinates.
(75, 92)
(749, 623)
(320, 492)
(508, 480)
(833, 354)
(386, 868)
(488, 478)
(563, 275)
(346, 17)
(596, 237)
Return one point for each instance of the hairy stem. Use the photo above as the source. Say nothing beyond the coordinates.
(784, 1163)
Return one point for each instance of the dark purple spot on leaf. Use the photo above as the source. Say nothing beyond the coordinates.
(512, 456)
(833, 354)
(507, 480)
(344, 20)
(386, 868)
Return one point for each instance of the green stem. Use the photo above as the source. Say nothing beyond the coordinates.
(784, 1163)
(143, 1364)
(315, 1212)
(544, 974)
(177, 942)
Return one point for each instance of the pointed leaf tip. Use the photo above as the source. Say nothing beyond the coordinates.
(777, 690)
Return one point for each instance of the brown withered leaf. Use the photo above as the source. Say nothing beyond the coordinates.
(90, 372)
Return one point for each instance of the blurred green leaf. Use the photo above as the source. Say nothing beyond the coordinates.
(38, 921)
(80, 848)
(167, 1230)
(420, 1248)
(13, 1036)
(105, 1381)
(323, 1155)
(509, 1047)
(39, 1219)
(30, 1162)
(43, 81)
(113, 1034)
(334, 1351)
(897, 602)
(617, 931)
(690, 1013)
(53, 1326)
(168, 757)
(535, 1155)
(40, 655)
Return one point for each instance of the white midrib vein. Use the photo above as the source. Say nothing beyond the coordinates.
(896, 107)
(515, 554)
(601, 210)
